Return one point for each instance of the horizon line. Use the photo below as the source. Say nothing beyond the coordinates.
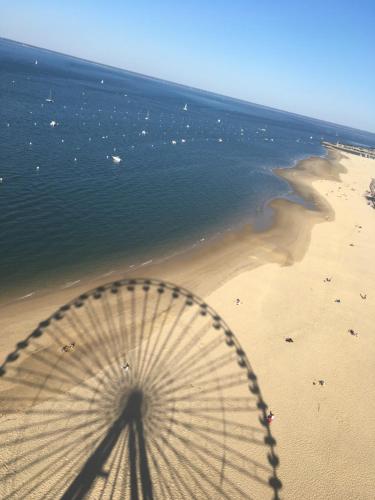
(185, 85)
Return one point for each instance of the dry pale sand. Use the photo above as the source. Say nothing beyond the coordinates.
(323, 432)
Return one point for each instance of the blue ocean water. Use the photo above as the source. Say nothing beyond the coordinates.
(193, 164)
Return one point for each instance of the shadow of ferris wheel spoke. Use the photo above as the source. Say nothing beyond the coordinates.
(136, 389)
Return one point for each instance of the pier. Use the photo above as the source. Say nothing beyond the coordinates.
(348, 148)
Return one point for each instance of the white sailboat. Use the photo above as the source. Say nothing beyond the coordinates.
(185, 108)
(49, 98)
(116, 159)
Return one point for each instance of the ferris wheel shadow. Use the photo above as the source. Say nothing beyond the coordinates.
(131, 417)
(166, 438)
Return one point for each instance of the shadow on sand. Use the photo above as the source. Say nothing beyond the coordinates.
(137, 389)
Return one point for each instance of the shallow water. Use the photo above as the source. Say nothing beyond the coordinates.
(66, 208)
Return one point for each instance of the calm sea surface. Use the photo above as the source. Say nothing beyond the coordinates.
(193, 164)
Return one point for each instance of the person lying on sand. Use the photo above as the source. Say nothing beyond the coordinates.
(363, 296)
(327, 279)
(69, 347)
(352, 332)
(320, 382)
(126, 366)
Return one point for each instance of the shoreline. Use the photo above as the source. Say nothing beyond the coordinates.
(284, 242)
(117, 267)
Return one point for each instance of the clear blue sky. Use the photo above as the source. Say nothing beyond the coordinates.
(316, 58)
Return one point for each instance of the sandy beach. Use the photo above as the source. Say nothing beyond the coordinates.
(323, 432)
(320, 385)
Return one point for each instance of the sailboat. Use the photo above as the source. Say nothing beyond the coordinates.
(185, 107)
(49, 98)
(116, 159)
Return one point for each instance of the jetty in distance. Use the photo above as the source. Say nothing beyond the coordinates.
(349, 148)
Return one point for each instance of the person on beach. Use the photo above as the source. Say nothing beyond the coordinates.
(270, 417)
(69, 347)
(126, 367)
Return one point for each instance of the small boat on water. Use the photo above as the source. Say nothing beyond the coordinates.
(116, 159)
(49, 98)
(185, 108)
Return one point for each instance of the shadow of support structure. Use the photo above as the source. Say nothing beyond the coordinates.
(94, 467)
